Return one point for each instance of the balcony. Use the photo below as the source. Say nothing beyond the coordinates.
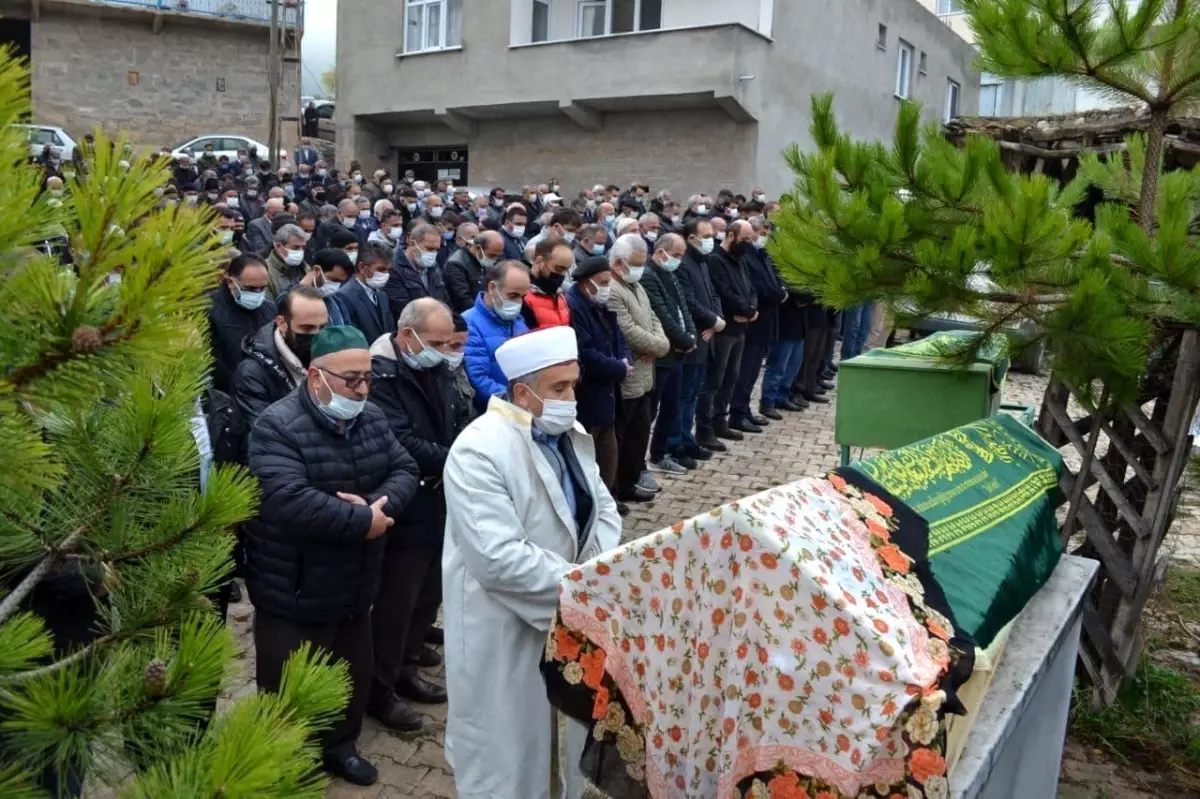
(291, 12)
(537, 21)
(711, 66)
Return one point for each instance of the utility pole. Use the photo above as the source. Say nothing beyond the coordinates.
(274, 78)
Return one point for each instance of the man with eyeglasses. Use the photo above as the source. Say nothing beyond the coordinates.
(414, 385)
(238, 308)
(333, 479)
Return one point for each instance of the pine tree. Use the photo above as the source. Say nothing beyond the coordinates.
(917, 223)
(99, 381)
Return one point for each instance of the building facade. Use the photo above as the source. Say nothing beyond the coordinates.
(688, 95)
(158, 71)
(1008, 97)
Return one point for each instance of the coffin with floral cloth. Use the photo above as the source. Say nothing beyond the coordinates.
(794, 644)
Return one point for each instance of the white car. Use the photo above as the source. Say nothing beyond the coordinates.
(226, 144)
(41, 135)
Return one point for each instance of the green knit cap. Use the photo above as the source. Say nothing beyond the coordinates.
(338, 338)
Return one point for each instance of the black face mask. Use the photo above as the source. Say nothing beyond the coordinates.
(549, 284)
(740, 249)
(301, 345)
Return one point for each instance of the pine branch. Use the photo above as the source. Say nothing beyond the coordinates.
(62, 663)
(13, 601)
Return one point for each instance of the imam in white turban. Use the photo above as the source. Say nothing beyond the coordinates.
(533, 352)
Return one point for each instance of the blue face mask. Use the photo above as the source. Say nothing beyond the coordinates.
(597, 249)
(340, 407)
(671, 264)
(250, 300)
(507, 310)
(427, 358)
(447, 235)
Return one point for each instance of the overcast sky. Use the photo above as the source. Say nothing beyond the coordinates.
(319, 47)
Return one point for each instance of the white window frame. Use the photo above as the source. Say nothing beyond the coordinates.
(987, 81)
(949, 8)
(608, 17)
(953, 98)
(549, 20)
(443, 19)
(905, 56)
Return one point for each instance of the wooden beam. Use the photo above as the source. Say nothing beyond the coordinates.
(1148, 429)
(1116, 563)
(1034, 151)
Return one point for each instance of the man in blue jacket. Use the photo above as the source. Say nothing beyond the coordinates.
(495, 319)
(604, 360)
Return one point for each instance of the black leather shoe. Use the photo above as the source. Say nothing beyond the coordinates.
(799, 401)
(637, 494)
(435, 636)
(709, 441)
(825, 384)
(758, 420)
(428, 659)
(770, 412)
(419, 689)
(685, 461)
(395, 714)
(622, 509)
(235, 593)
(820, 399)
(788, 405)
(744, 425)
(725, 431)
(351, 768)
(694, 451)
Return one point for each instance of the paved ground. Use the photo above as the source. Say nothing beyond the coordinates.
(801, 445)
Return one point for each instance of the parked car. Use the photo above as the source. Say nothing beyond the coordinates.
(223, 144)
(325, 126)
(41, 135)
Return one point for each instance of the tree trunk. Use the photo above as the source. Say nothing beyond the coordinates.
(1155, 135)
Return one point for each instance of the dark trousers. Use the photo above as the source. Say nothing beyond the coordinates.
(633, 435)
(605, 441)
(349, 640)
(410, 591)
(691, 381)
(831, 342)
(668, 385)
(724, 361)
(753, 354)
(814, 352)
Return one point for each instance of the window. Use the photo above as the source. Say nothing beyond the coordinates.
(949, 7)
(44, 136)
(953, 92)
(601, 17)
(540, 29)
(881, 39)
(325, 111)
(432, 24)
(904, 66)
(991, 97)
(593, 17)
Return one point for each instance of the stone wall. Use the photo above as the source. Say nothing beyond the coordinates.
(81, 76)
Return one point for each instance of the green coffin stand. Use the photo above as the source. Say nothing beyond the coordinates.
(988, 491)
(891, 397)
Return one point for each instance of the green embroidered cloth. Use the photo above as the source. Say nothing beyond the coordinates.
(988, 491)
(939, 345)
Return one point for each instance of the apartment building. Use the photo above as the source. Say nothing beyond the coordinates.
(1003, 97)
(160, 71)
(680, 94)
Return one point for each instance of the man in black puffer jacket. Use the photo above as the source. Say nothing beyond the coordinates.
(332, 477)
(415, 388)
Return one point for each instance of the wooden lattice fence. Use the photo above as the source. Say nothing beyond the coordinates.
(1132, 459)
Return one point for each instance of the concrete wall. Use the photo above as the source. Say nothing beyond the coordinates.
(754, 14)
(81, 65)
(840, 55)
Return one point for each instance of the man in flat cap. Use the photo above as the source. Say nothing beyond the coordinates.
(525, 502)
(333, 478)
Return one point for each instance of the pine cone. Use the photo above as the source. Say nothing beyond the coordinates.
(86, 340)
(155, 678)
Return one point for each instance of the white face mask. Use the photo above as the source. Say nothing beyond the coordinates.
(428, 258)
(329, 288)
(394, 233)
(760, 197)
(671, 264)
(453, 359)
(378, 280)
(294, 257)
(231, 202)
(387, 188)
(701, 209)
(518, 230)
(340, 407)
(602, 294)
(353, 256)
(412, 207)
(568, 237)
(436, 212)
(558, 416)
(348, 222)
(652, 235)
(635, 273)
(706, 245)
(365, 213)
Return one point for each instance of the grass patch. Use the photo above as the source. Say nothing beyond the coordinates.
(1183, 591)
(1152, 723)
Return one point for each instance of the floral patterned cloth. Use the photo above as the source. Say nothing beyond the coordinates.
(779, 646)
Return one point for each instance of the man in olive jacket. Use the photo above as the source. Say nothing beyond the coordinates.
(414, 385)
(333, 477)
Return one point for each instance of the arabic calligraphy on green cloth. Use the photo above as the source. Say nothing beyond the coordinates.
(988, 491)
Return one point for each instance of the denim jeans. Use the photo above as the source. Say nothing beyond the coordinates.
(668, 385)
(783, 364)
(691, 380)
(856, 328)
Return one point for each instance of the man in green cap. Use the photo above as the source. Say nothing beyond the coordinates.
(333, 478)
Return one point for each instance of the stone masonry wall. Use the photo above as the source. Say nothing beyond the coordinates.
(81, 66)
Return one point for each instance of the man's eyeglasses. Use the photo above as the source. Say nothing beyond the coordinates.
(351, 381)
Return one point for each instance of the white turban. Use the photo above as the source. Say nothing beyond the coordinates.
(533, 352)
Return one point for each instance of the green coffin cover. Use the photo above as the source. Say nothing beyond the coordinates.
(938, 346)
(988, 491)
